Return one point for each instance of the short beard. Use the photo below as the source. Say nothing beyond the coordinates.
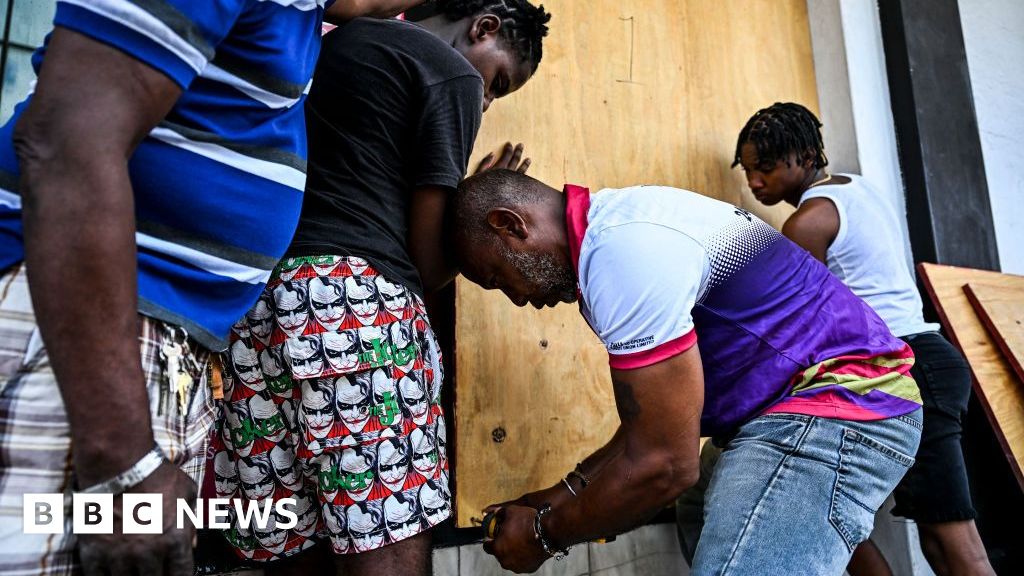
(544, 271)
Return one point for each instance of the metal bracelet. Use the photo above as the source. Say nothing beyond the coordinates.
(131, 477)
(567, 485)
(538, 532)
(577, 473)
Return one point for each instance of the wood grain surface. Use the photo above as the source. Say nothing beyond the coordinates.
(999, 389)
(629, 92)
(1001, 309)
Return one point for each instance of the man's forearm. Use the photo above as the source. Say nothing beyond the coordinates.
(590, 467)
(93, 105)
(81, 264)
(627, 491)
(426, 235)
(647, 464)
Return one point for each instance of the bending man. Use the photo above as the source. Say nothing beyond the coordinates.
(799, 380)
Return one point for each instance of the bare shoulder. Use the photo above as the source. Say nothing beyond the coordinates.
(814, 226)
(814, 216)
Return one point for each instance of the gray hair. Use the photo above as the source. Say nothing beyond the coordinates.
(478, 195)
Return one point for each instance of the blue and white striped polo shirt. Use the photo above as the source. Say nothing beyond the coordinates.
(218, 184)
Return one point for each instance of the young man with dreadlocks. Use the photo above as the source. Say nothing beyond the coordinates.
(845, 223)
(335, 373)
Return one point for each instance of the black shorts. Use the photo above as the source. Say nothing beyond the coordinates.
(936, 489)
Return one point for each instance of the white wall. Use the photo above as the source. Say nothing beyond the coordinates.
(872, 109)
(833, 81)
(994, 38)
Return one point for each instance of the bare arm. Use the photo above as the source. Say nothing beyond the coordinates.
(93, 105)
(590, 467)
(813, 226)
(426, 238)
(659, 407)
(345, 10)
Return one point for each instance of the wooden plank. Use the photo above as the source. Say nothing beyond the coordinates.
(629, 92)
(1001, 309)
(999, 390)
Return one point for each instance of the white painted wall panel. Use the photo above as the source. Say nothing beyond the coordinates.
(994, 38)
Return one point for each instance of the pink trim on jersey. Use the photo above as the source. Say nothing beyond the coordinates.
(577, 204)
(661, 352)
(827, 405)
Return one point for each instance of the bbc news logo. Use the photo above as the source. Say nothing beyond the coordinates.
(143, 513)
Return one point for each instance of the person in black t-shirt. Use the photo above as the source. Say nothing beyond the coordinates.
(392, 115)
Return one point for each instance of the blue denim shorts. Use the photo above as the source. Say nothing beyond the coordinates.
(795, 494)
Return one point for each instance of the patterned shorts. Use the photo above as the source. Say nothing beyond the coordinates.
(332, 398)
(35, 439)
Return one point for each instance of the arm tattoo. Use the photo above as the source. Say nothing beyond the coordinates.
(625, 401)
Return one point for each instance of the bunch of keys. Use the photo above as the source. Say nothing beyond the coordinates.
(180, 367)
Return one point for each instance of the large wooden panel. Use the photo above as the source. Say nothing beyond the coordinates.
(629, 92)
(999, 390)
(1001, 309)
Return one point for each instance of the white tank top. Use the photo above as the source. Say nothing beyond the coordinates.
(867, 254)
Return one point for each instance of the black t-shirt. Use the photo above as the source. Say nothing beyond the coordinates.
(392, 108)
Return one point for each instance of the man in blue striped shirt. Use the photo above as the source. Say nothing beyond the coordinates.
(147, 189)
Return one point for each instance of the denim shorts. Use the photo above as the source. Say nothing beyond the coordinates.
(936, 489)
(795, 494)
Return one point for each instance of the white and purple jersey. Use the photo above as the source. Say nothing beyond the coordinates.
(660, 267)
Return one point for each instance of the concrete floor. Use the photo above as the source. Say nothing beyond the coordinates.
(653, 550)
(648, 551)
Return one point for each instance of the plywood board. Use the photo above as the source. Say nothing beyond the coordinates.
(999, 390)
(629, 92)
(1001, 309)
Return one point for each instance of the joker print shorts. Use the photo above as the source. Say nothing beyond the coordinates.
(332, 398)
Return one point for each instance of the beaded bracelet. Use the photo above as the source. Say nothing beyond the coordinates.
(538, 532)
